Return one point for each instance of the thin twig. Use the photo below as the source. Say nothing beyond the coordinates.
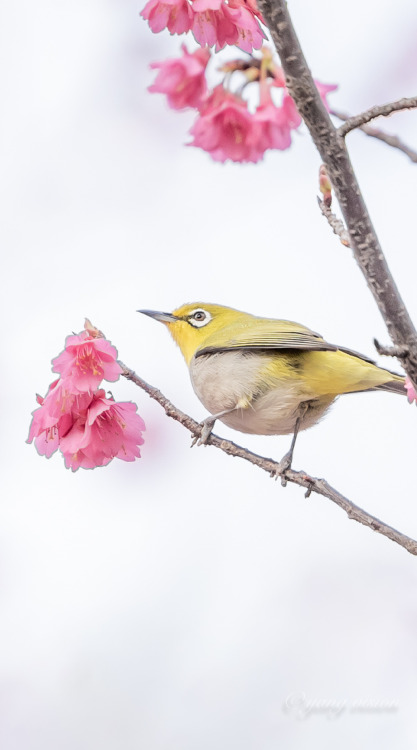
(391, 140)
(332, 148)
(391, 351)
(380, 110)
(311, 484)
(336, 224)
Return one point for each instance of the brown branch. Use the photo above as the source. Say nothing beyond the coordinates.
(390, 351)
(311, 484)
(335, 223)
(332, 149)
(390, 140)
(381, 110)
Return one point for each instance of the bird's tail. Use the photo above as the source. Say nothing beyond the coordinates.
(393, 386)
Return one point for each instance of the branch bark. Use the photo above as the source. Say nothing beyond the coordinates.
(380, 110)
(331, 146)
(390, 140)
(311, 484)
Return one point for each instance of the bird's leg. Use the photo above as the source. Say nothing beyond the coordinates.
(286, 460)
(207, 426)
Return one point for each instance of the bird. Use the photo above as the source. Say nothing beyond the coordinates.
(266, 376)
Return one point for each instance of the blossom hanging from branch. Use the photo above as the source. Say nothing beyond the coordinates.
(183, 79)
(212, 22)
(76, 417)
(228, 125)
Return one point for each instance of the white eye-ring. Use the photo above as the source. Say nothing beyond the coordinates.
(199, 318)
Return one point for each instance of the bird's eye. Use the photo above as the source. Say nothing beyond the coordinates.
(199, 318)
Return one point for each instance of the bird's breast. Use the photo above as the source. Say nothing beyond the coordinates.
(268, 390)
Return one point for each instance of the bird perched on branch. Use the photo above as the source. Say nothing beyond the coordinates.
(265, 376)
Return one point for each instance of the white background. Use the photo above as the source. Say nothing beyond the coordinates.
(181, 601)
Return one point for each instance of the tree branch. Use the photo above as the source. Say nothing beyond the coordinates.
(311, 484)
(381, 110)
(338, 227)
(390, 140)
(332, 148)
(390, 351)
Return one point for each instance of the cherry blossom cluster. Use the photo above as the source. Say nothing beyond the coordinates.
(212, 22)
(77, 417)
(226, 126)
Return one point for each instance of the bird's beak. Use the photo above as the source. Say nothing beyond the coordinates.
(161, 316)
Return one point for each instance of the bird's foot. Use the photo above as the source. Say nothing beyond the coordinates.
(206, 430)
(283, 466)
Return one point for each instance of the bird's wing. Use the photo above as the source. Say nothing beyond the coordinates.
(264, 334)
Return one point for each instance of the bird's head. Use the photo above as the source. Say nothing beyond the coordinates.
(197, 325)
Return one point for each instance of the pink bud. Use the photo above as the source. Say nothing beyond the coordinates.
(325, 185)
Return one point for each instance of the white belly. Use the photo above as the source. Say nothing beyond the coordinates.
(223, 380)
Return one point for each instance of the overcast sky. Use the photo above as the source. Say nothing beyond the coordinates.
(186, 600)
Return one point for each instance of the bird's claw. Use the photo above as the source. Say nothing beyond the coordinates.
(206, 429)
(283, 466)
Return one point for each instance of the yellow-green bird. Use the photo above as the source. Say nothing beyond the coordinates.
(266, 376)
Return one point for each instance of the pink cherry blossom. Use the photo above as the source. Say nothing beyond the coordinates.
(183, 79)
(106, 430)
(274, 130)
(58, 400)
(275, 122)
(226, 129)
(86, 360)
(90, 430)
(232, 23)
(75, 417)
(213, 22)
(253, 7)
(207, 16)
(411, 392)
(47, 442)
(324, 89)
(246, 32)
(175, 15)
(55, 416)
